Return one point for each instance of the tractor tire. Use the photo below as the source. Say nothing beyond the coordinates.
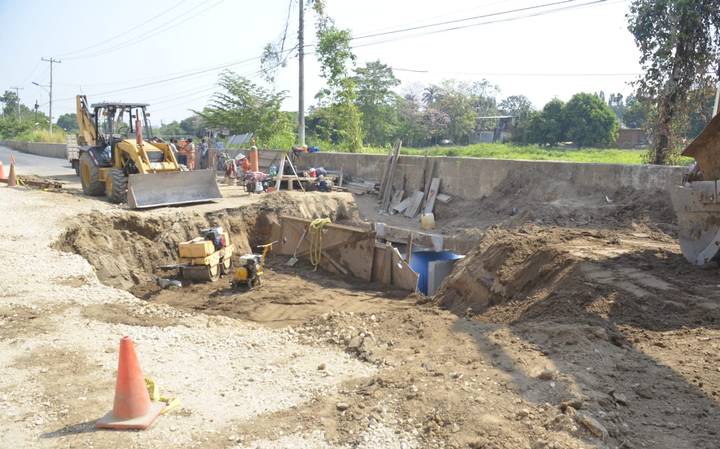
(90, 177)
(116, 186)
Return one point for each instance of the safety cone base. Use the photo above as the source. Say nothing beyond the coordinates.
(140, 423)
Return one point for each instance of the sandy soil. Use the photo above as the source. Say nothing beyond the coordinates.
(574, 323)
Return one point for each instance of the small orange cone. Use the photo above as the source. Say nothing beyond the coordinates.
(12, 179)
(132, 408)
(2, 171)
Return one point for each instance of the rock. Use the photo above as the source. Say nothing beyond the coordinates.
(644, 392)
(481, 443)
(547, 374)
(619, 398)
(593, 425)
(355, 343)
(321, 367)
(455, 428)
(576, 404)
(342, 406)
(523, 413)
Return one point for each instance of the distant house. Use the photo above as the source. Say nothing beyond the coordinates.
(631, 138)
(493, 128)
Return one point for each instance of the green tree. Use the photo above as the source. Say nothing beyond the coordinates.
(411, 129)
(589, 121)
(520, 107)
(244, 107)
(168, 130)
(377, 102)
(548, 126)
(68, 122)
(10, 102)
(634, 113)
(459, 103)
(336, 60)
(679, 41)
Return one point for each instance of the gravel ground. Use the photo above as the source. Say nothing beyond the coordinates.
(57, 365)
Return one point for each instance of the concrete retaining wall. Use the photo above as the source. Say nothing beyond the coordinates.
(56, 150)
(473, 178)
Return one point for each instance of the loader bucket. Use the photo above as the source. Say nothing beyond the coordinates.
(705, 149)
(171, 188)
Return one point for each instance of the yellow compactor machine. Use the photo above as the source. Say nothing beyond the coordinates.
(120, 159)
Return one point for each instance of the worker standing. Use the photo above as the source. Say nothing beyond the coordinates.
(203, 153)
(190, 150)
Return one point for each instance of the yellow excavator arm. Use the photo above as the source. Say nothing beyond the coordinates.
(86, 125)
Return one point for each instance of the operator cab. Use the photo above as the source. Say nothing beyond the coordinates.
(115, 122)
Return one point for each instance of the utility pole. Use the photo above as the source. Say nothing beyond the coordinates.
(301, 76)
(37, 106)
(51, 61)
(17, 94)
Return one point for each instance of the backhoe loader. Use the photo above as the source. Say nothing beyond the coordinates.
(697, 200)
(117, 161)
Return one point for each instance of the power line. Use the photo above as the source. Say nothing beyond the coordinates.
(466, 19)
(142, 38)
(125, 31)
(397, 69)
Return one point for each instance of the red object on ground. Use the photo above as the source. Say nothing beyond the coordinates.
(2, 171)
(132, 408)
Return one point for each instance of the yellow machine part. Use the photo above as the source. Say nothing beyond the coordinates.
(697, 202)
(705, 149)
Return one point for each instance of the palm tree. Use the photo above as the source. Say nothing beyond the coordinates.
(430, 94)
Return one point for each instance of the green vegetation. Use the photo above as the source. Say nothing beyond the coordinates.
(679, 41)
(42, 135)
(530, 152)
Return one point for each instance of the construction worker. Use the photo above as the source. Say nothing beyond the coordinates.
(190, 151)
(203, 154)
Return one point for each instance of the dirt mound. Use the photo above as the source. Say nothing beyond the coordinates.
(504, 267)
(520, 199)
(126, 247)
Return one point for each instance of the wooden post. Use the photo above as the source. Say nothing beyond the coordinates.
(408, 255)
(281, 170)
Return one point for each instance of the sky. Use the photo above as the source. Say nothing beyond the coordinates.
(169, 52)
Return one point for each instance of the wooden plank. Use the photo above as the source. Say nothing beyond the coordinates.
(428, 181)
(296, 176)
(430, 203)
(403, 276)
(408, 252)
(400, 208)
(397, 199)
(280, 174)
(386, 173)
(388, 186)
(414, 205)
(386, 270)
(335, 264)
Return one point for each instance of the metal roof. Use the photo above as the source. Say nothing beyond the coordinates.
(120, 105)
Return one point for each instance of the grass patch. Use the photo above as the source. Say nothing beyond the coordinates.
(42, 136)
(530, 152)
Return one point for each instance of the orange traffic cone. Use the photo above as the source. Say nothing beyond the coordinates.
(12, 179)
(2, 171)
(132, 408)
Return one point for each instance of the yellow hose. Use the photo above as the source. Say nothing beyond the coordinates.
(316, 231)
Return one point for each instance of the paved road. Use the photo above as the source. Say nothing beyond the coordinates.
(31, 164)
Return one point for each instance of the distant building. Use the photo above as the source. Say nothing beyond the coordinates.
(631, 138)
(493, 128)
